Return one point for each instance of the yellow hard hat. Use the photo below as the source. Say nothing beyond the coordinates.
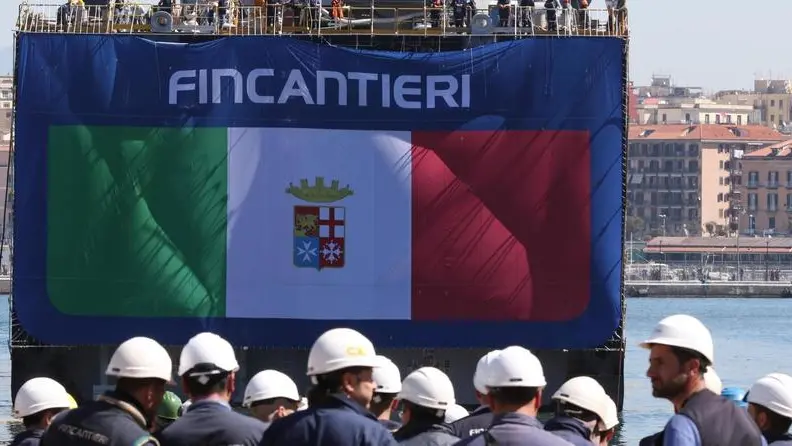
(72, 402)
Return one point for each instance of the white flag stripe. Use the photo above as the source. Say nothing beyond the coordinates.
(273, 273)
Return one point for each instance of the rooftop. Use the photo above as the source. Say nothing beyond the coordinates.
(780, 150)
(705, 132)
(393, 17)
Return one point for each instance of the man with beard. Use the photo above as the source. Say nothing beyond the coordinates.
(681, 349)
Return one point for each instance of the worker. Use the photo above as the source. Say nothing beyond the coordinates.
(515, 381)
(341, 364)
(388, 381)
(207, 367)
(712, 382)
(681, 349)
(121, 416)
(770, 406)
(585, 414)
(481, 418)
(426, 394)
(36, 403)
(169, 410)
(455, 412)
(270, 395)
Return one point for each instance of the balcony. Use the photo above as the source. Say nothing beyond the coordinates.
(356, 18)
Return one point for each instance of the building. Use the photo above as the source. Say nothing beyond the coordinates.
(694, 111)
(6, 103)
(766, 190)
(771, 98)
(680, 176)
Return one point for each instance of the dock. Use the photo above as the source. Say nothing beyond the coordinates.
(639, 289)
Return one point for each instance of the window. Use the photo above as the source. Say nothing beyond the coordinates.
(687, 118)
(728, 119)
(772, 102)
(781, 104)
(720, 197)
(739, 119)
(771, 223)
(706, 119)
(720, 164)
(720, 181)
(717, 119)
(772, 118)
(664, 118)
(789, 201)
(789, 178)
(772, 202)
(753, 179)
(752, 202)
(772, 179)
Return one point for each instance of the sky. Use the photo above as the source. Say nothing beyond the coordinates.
(700, 43)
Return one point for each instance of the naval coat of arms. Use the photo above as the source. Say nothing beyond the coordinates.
(319, 226)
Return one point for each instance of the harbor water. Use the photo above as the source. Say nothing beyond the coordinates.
(751, 340)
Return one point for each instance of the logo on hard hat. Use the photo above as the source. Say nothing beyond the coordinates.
(319, 231)
(356, 351)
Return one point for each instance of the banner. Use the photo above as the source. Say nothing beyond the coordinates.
(267, 185)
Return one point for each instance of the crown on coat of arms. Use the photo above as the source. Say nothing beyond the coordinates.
(319, 193)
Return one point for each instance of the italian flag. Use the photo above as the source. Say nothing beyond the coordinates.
(301, 223)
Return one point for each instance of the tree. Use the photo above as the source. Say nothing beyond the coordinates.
(710, 227)
(633, 224)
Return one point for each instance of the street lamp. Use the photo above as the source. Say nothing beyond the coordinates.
(663, 217)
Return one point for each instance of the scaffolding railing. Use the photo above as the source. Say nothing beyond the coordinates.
(280, 19)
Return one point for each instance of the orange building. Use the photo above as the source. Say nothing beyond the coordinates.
(767, 190)
(685, 179)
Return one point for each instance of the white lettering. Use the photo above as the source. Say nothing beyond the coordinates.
(217, 85)
(332, 88)
(174, 85)
(295, 87)
(433, 92)
(362, 79)
(400, 90)
(251, 86)
(321, 78)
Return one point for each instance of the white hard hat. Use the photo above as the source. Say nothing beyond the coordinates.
(140, 358)
(269, 384)
(586, 393)
(774, 392)
(428, 387)
(684, 331)
(515, 366)
(341, 348)
(482, 367)
(207, 348)
(712, 381)
(39, 394)
(387, 377)
(455, 412)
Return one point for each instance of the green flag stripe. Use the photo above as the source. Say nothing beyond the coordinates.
(137, 221)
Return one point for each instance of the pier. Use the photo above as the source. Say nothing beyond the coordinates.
(637, 289)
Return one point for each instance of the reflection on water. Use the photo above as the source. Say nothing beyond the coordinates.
(750, 337)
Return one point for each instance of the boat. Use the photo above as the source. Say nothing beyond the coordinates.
(171, 180)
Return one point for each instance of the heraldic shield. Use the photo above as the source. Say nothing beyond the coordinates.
(319, 229)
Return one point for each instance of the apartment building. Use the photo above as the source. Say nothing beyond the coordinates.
(767, 190)
(683, 178)
(6, 103)
(694, 111)
(771, 98)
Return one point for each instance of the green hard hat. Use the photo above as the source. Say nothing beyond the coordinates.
(170, 406)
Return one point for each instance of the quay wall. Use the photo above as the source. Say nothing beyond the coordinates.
(709, 289)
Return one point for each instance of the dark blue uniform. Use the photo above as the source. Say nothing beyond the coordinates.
(115, 419)
(30, 437)
(212, 423)
(339, 421)
(779, 440)
(477, 422)
(515, 429)
(570, 429)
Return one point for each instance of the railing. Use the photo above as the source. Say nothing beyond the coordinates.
(277, 19)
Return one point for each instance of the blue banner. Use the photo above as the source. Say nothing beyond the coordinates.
(254, 185)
